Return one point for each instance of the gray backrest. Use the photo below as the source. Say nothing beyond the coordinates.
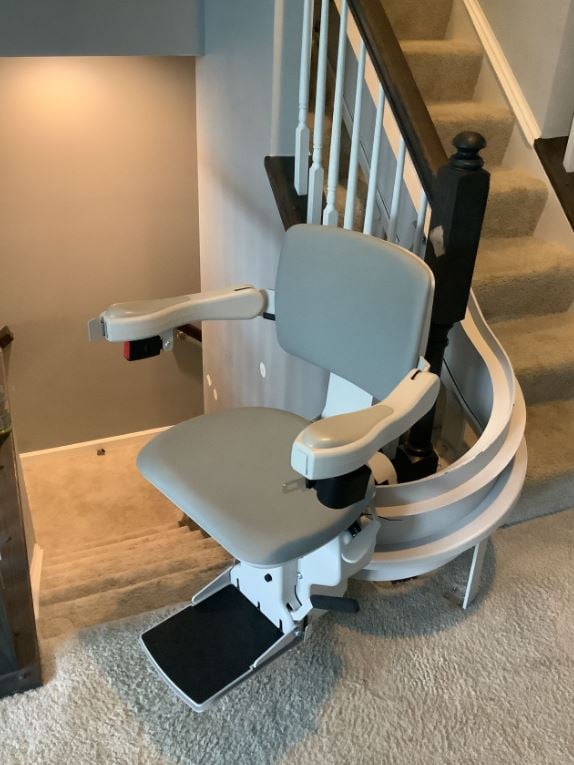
(353, 304)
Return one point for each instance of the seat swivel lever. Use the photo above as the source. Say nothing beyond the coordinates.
(331, 603)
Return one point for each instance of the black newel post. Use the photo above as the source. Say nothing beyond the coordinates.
(459, 200)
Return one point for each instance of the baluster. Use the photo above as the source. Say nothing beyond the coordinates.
(355, 141)
(374, 169)
(331, 214)
(397, 191)
(316, 173)
(302, 132)
(419, 229)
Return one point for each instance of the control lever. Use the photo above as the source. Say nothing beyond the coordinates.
(332, 603)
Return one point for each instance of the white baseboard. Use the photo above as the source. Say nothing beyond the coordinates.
(508, 82)
(95, 442)
(36, 576)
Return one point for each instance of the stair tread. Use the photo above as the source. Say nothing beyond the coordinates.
(492, 120)
(184, 559)
(118, 549)
(444, 70)
(451, 46)
(503, 179)
(88, 569)
(523, 276)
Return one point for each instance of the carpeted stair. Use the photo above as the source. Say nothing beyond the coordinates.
(525, 286)
(125, 575)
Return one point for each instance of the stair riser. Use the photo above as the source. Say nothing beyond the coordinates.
(513, 213)
(543, 498)
(118, 580)
(445, 77)
(114, 550)
(418, 19)
(548, 384)
(526, 296)
(91, 546)
(117, 565)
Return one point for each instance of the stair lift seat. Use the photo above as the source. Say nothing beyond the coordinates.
(231, 472)
(255, 478)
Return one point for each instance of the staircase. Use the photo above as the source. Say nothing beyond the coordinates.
(125, 575)
(524, 285)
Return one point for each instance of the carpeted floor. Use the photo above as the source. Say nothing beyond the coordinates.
(411, 679)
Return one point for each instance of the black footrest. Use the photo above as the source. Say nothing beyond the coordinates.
(207, 648)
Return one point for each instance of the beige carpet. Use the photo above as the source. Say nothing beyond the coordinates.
(79, 497)
(524, 285)
(410, 680)
(113, 545)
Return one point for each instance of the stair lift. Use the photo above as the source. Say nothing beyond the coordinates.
(305, 506)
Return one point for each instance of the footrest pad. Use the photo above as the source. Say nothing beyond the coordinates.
(208, 647)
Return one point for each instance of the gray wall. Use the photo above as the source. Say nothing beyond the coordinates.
(247, 92)
(537, 39)
(98, 203)
(100, 28)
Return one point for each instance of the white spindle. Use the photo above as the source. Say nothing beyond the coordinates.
(397, 189)
(419, 229)
(374, 168)
(316, 173)
(355, 141)
(302, 132)
(330, 214)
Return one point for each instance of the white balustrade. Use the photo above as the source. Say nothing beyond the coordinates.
(331, 214)
(316, 173)
(302, 132)
(355, 141)
(310, 181)
(374, 165)
(420, 224)
(397, 191)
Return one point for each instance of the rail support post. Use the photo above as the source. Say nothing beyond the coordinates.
(458, 206)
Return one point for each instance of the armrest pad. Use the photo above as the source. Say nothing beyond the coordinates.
(340, 444)
(141, 319)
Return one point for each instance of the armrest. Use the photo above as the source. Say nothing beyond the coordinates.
(143, 319)
(340, 444)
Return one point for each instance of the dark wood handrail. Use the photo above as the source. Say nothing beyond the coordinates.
(401, 90)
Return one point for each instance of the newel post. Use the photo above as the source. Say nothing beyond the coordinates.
(458, 204)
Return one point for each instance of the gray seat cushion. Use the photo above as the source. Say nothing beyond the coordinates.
(227, 470)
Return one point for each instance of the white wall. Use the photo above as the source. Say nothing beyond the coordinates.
(100, 28)
(537, 39)
(246, 94)
(98, 204)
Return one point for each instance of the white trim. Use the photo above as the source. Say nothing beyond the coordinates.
(107, 440)
(512, 90)
(35, 577)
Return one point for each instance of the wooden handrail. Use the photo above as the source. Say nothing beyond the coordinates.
(401, 90)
